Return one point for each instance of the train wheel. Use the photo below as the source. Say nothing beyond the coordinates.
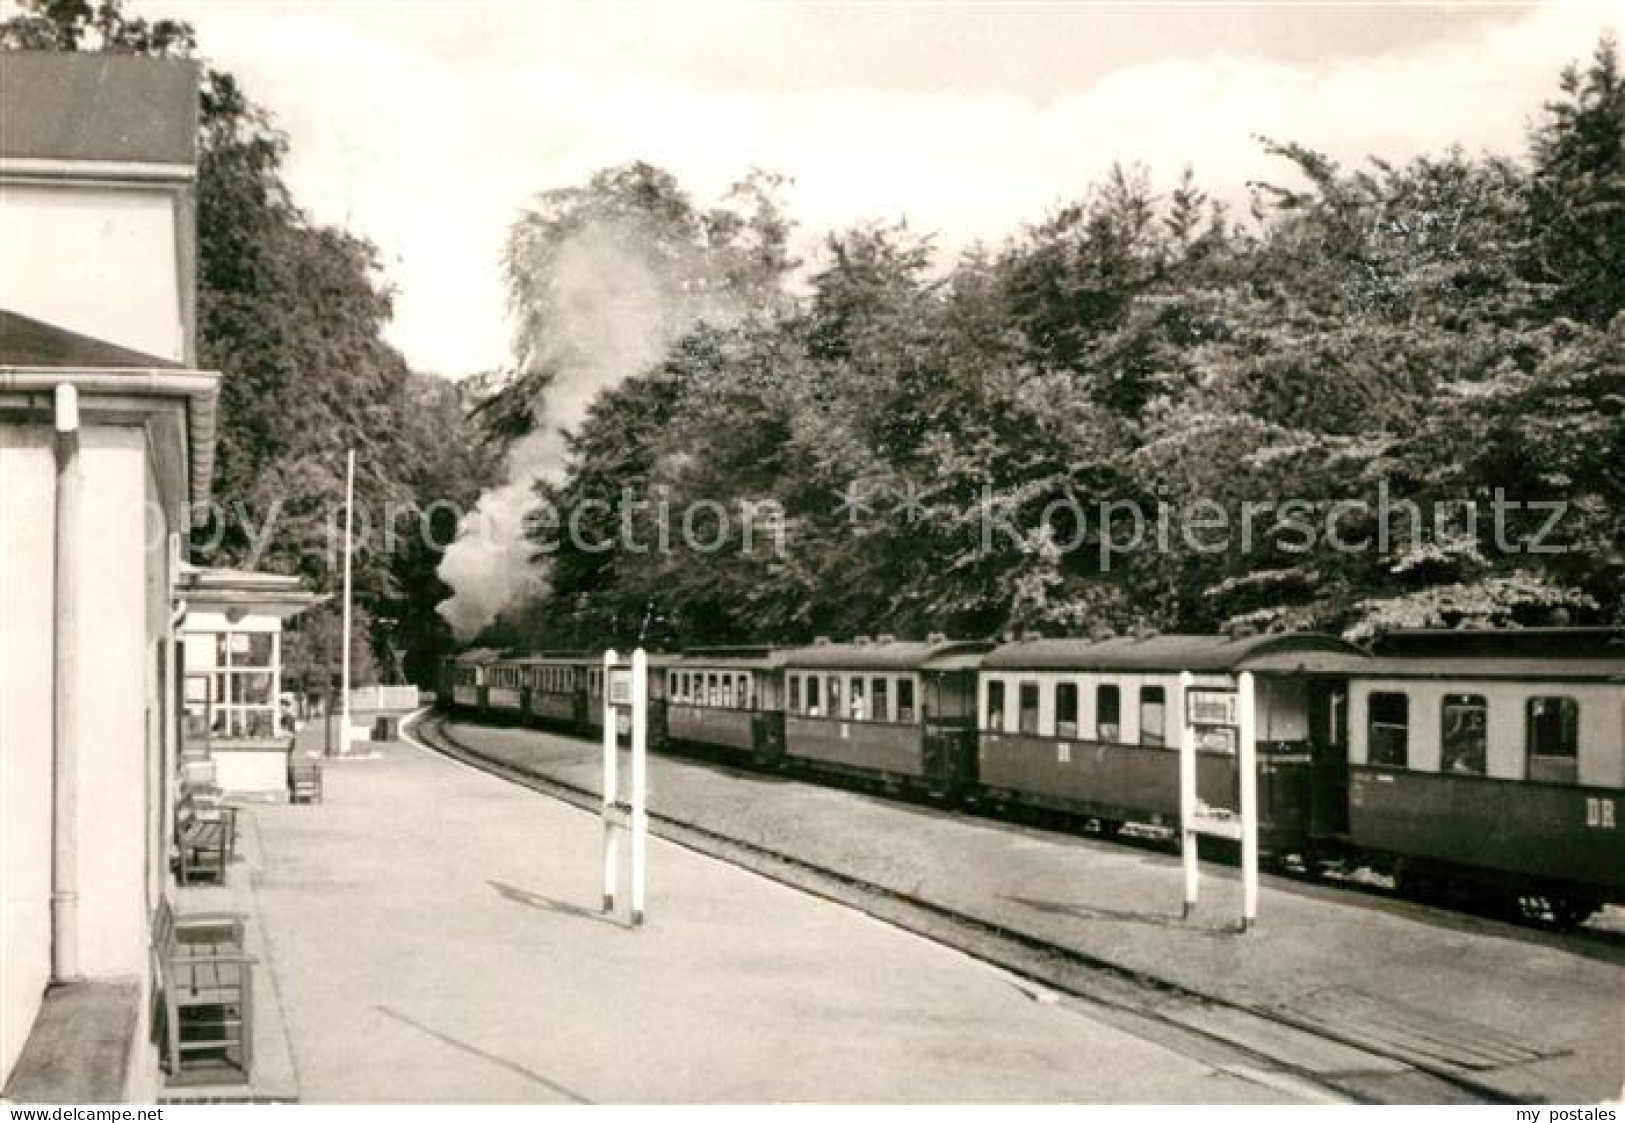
(1570, 912)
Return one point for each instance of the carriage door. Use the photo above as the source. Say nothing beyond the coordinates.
(1329, 750)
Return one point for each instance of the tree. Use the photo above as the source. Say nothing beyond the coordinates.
(1577, 195)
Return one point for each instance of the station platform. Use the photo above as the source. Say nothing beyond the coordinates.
(1520, 1012)
(434, 936)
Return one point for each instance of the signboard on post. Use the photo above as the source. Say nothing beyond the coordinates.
(1219, 721)
(626, 709)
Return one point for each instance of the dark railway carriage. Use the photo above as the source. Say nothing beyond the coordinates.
(728, 698)
(1092, 727)
(1494, 758)
(899, 711)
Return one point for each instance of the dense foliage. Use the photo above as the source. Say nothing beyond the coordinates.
(292, 314)
(1400, 387)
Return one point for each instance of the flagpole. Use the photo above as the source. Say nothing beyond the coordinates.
(349, 525)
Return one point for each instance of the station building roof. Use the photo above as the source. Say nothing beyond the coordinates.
(239, 592)
(34, 354)
(1282, 651)
(27, 342)
(98, 108)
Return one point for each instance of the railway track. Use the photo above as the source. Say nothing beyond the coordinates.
(1273, 1047)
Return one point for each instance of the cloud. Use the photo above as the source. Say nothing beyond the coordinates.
(427, 131)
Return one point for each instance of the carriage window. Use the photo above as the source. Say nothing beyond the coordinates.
(671, 683)
(747, 692)
(878, 699)
(1390, 730)
(855, 702)
(905, 699)
(834, 695)
(1066, 709)
(1027, 702)
(1463, 734)
(1108, 712)
(1153, 716)
(728, 691)
(713, 689)
(995, 706)
(812, 695)
(1554, 740)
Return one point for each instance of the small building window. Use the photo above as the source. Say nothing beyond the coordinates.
(995, 706)
(1066, 710)
(1029, 707)
(1390, 730)
(1153, 716)
(1554, 740)
(1463, 734)
(905, 699)
(812, 695)
(1108, 712)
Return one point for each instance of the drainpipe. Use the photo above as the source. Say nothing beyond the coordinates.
(65, 700)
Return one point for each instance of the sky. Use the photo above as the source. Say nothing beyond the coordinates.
(425, 126)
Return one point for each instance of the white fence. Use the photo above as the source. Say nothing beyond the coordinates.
(401, 698)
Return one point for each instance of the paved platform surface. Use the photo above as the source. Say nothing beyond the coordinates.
(434, 937)
(1530, 1013)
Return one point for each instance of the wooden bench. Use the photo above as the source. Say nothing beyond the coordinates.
(304, 780)
(205, 840)
(206, 987)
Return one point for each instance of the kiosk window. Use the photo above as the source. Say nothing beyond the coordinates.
(1108, 712)
(1390, 730)
(1463, 734)
(1066, 710)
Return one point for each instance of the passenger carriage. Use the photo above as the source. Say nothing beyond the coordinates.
(1498, 757)
(898, 711)
(728, 698)
(556, 687)
(466, 675)
(1092, 727)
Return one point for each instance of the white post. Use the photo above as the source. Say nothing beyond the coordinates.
(640, 778)
(611, 784)
(1247, 752)
(1187, 793)
(65, 696)
(349, 525)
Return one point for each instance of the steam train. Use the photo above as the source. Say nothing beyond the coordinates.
(1477, 761)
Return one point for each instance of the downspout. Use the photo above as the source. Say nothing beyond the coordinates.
(65, 700)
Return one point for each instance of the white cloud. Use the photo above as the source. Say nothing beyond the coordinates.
(426, 127)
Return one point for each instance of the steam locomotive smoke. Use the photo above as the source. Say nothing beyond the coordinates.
(614, 306)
